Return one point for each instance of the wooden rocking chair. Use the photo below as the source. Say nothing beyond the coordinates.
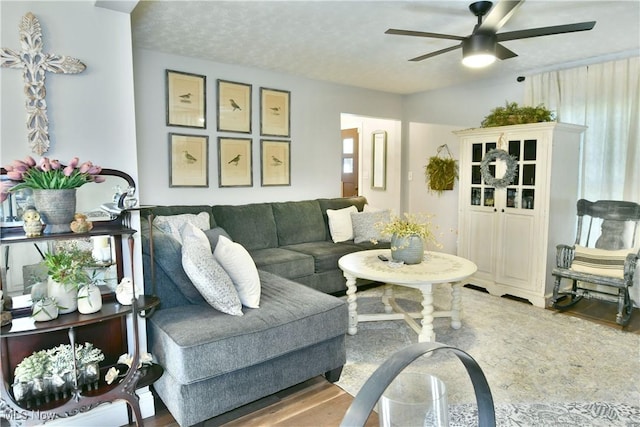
(610, 261)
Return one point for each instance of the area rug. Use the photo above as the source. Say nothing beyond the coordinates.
(543, 368)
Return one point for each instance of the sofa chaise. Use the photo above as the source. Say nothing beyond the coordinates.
(215, 362)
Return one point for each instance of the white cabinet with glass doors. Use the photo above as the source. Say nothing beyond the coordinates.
(510, 229)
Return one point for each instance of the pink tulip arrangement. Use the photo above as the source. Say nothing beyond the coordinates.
(48, 174)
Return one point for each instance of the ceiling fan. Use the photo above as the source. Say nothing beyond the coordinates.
(482, 47)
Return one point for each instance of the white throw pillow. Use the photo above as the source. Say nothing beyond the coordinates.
(206, 274)
(239, 265)
(172, 224)
(340, 224)
(364, 226)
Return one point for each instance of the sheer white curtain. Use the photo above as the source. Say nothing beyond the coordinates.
(606, 98)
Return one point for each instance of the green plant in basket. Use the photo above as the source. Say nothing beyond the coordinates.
(440, 173)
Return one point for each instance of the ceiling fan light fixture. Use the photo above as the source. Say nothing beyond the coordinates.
(478, 60)
(479, 50)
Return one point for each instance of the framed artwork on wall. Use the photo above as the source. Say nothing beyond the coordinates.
(275, 115)
(186, 99)
(235, 162)
(379, 160)
(188, 160)
(234, 107)
(275, 158)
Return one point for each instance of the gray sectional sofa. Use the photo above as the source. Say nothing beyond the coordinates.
(215, 362)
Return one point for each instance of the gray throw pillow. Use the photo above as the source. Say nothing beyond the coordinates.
(213, 234)
(172, 224)
(206, 274)
(364, 229)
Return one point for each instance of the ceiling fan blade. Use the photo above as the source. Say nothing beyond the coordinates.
(504, 53)
(422, 34)
(437, 52)
(499, 15)
(545, 31)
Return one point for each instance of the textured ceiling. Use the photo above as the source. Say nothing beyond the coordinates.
(344, 41)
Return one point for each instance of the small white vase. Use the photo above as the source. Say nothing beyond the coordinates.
(67, 297)
(44, 310)
(89, 299)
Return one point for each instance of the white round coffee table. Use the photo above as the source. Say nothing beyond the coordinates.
(437, 268)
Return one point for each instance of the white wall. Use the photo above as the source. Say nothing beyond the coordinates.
(315, 130)
(463, 105)
(91, 115)
(424, 142)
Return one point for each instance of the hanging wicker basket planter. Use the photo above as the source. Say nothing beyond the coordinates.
(441, 172)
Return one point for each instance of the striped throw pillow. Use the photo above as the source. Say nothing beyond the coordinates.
(600, 262)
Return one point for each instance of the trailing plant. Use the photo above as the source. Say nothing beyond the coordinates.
(440, 173)
(513, 114)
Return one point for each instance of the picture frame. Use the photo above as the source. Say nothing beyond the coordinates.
(275, 159)
(186, 99)
(235, 162)
(234, 107)
(275, 112)
(188, 160)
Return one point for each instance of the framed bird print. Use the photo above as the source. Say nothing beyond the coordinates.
(186, 100)
(188, 160)
(275, 157)
(275, 114)
(235, 162)
(234, 107)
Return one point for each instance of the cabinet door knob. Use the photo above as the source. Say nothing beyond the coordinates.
(495, 210)
(502, 210)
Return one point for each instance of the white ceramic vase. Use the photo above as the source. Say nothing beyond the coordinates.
(44, 309)
(409, 249)
(66, 296)
(89, 299)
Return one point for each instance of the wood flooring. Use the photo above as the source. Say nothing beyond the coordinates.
(314, 403)
(604, 313)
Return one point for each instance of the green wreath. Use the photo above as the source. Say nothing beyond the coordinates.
(510, 173)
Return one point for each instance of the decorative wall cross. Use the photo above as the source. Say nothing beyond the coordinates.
(34, 65)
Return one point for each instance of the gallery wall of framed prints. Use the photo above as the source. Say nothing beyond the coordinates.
(186, 107)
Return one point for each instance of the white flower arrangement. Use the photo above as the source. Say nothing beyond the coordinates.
(146, 359)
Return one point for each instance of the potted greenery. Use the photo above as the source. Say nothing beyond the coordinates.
(513, 114)
(440, 173)
(53, 186)
(409, 234)
(67, 272)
